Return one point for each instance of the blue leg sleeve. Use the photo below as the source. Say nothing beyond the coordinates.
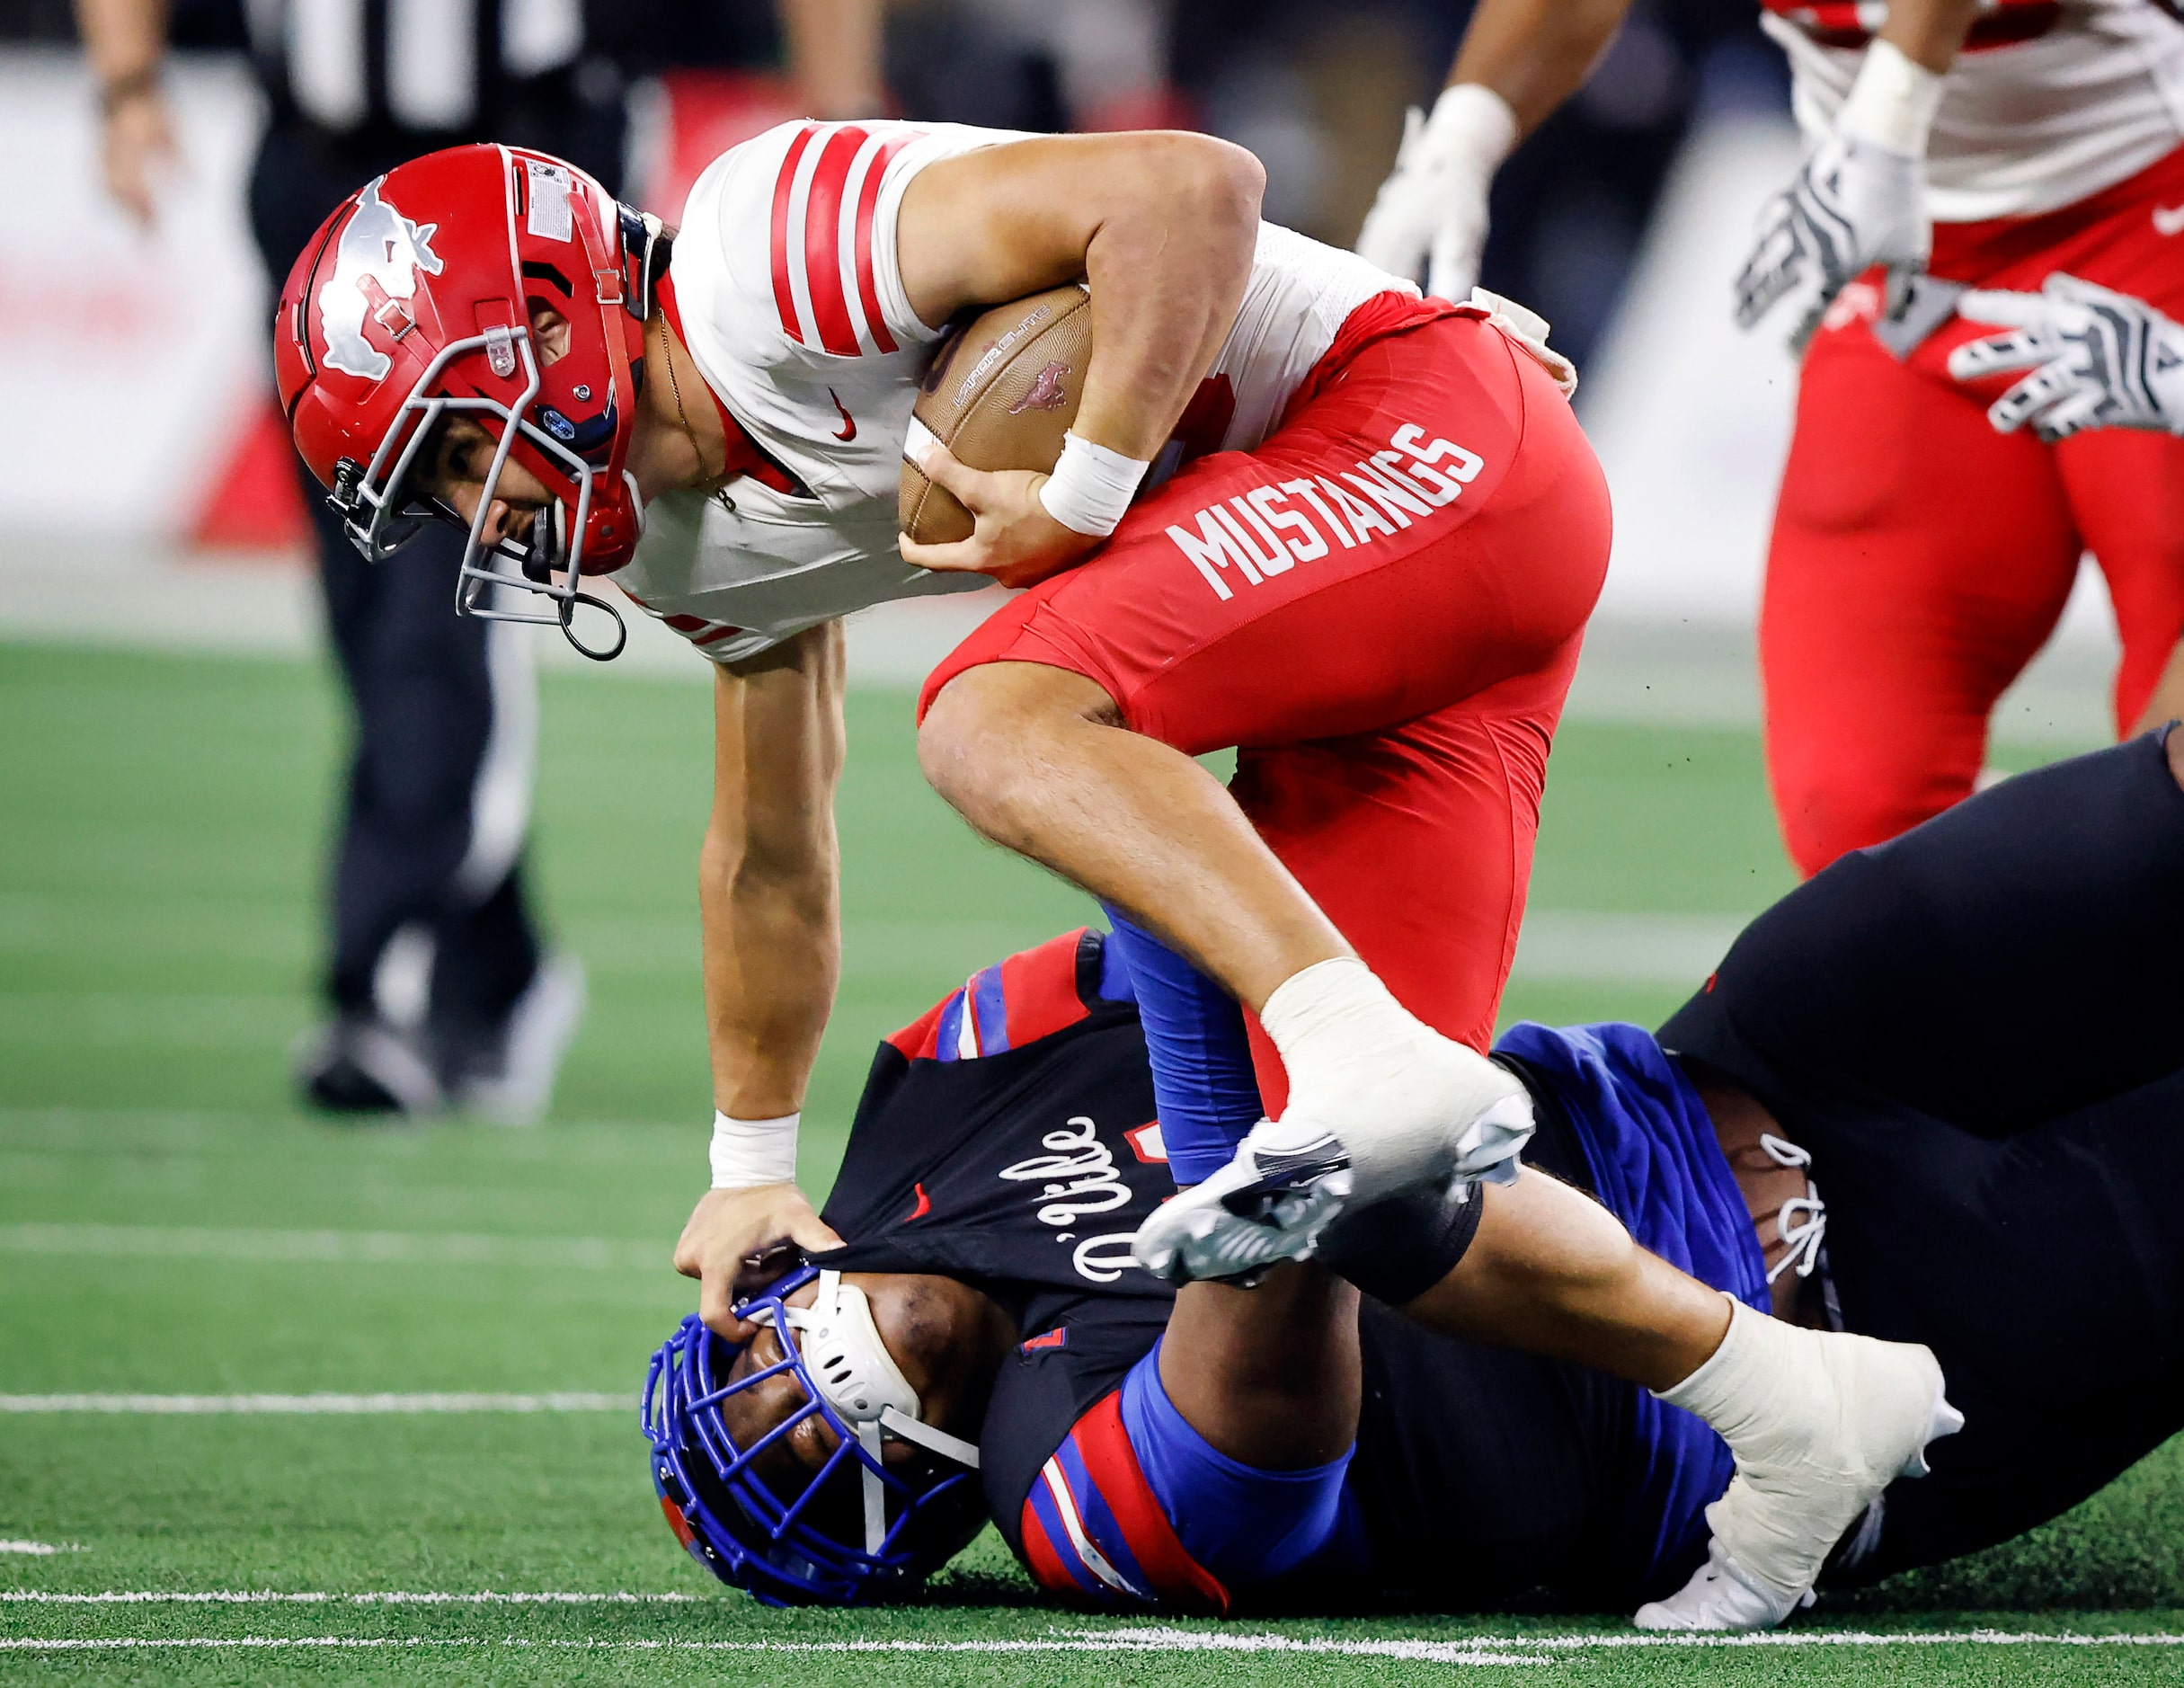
(1245, 1525)
(1203, 1080)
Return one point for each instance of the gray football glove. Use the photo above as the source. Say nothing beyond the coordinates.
(1855, 203)
(2097, 358)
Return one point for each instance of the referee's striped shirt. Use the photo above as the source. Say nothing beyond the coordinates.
(429, 67)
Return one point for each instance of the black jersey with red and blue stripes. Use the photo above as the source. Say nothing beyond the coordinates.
(1009, 1137)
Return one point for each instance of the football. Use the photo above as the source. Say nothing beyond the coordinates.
(1001, 392)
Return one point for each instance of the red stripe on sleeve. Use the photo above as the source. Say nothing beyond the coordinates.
(867, 202)
(1046, 1567)
(1039, 989)
(1104, 1444)
(921, 1039)
(823, 241)
(785, 299)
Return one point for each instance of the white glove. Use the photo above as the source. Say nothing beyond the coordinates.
(1859, 200)
(2098, 359)
(1430, 215)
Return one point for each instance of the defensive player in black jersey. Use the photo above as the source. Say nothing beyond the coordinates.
(1972, 1038)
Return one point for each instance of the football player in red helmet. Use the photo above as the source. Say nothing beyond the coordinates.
(493, 381)
(484, 335)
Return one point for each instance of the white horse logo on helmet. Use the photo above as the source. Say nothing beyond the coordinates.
(381, 250)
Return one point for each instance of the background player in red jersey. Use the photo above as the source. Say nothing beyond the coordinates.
(1919, 557)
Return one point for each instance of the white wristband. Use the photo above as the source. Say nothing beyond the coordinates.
(1091, 487)
(1892, 102)
(749, 1153)
(1471, 121)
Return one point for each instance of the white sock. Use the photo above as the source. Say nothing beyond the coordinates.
(1407, 1102)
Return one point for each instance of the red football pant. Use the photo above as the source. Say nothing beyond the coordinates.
(1382, 606)
(1920, 559)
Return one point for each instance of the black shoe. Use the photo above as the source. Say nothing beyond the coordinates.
(358, 1064)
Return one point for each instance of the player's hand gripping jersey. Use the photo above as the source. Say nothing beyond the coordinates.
(2051, 100)
(786, 288)
(1008, 1138)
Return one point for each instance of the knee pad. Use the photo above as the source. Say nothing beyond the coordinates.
(1396, 1249)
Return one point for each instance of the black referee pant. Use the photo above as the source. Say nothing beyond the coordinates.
(437, 802)
(1977, 1030)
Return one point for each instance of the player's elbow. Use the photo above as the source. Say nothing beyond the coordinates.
(1232, 179)
(1223, 182)
(1212, 187)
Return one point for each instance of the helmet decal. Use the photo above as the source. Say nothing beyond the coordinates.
(413, 310)
(375, 266)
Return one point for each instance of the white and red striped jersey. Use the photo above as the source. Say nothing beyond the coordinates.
(2050, 102)
(793, 306)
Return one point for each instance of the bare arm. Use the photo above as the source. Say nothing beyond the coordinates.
(1520, 59)
(1552, 1272)
(769, 873)
(834, 54)
(126, 41)
(1929, 32)
(769, 912)
(1535, 53)
(1271, 1376)
(1162, 225)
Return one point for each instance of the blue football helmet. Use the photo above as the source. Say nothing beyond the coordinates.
(731, 1519)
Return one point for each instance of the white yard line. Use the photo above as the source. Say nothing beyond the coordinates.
(1585, 945)
(1477, 1650)
(1120, 1642)
(559, 1401)
(385, 1597)
(374, 1247)
(1147, 1638)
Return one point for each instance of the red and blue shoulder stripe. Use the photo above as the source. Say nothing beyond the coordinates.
(1030, 995)
(1093, 1529)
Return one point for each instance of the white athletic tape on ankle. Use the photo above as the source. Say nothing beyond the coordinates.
(1893, 101)
(749, 1153)
(1091, 487)
(1309, 997)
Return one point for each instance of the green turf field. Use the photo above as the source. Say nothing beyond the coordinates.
(168, 1225)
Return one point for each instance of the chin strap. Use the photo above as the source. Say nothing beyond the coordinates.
(1801, 1221)
(849, 1366)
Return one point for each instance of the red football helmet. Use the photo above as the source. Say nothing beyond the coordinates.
(414, 303)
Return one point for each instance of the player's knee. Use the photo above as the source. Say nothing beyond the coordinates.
(964, 741)
(995, 727)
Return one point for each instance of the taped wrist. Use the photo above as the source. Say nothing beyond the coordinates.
(749, 1153)
(1893, 101)
(1091, 487)
(1396, 1249)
